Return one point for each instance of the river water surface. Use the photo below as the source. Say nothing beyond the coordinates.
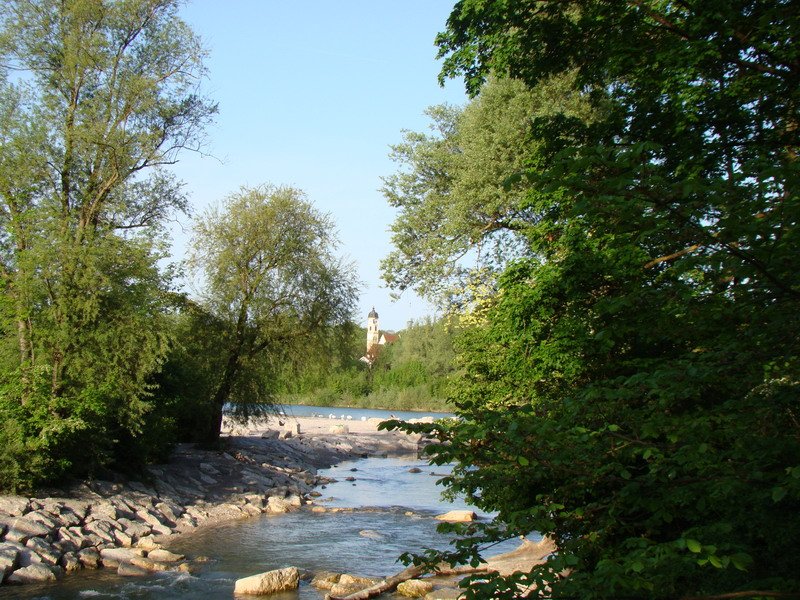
(394, 514)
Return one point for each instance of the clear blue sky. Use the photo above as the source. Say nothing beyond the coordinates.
(311, 94)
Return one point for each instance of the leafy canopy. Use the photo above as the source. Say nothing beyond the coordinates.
(631, 390)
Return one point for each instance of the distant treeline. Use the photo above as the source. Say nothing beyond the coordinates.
(409, 374)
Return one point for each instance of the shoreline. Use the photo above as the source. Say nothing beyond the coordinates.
(268, 466)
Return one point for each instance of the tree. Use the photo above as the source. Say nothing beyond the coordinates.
(103, 93)
(460, 219)
(632, 389)
(272, 277)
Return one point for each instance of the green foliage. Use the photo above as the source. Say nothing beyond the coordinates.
(276, 286)
(412, 373)
(460, 217)
(631, 390)
(97, 105)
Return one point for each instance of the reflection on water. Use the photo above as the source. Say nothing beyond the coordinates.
(365, 543)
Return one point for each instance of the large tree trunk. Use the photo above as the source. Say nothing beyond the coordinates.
(223, 393)
(211, 437)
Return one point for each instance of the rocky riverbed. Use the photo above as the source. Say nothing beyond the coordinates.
(265, 467)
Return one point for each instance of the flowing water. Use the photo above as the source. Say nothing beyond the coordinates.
(395, 510)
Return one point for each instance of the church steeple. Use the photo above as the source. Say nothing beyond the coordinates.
(373, 334)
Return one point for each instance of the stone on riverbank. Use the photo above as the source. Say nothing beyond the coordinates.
(35, 573)
(164, 556)
(14, 505)
(279, 580)
(414, 588)
(325, 580)
(349, 584)
(458, 516)
(445, 594)
(22, 529)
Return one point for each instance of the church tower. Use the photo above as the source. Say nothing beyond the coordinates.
(373, 335)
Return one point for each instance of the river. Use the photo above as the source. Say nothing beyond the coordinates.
(394, 510)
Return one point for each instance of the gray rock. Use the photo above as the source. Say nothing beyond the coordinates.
(209, 468)
(9, 559)
(64, 545)
(68, 517)
(78, 507)
(135, 529)
(225, 512)
(150, 517)
(251, 510)
(166, 556)
(280, 580)
(90, 558)
(148, 542)
(207, 479)
(70, 562)
(101, 529)
(121, 554)
(35, 573)
(197, 513)
(25, 556)
(48, 554)
(105, 488)
(22, 529)
(349, 584)
(170, 510)
(278, 505)
(44, 518)
(141, 488)
(14, 505)
(123, 539)
(92, 540)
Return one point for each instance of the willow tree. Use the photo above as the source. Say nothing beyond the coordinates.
(273, 279)
(103, 94)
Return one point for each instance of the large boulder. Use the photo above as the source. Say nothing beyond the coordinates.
(280, 580)
(22, 529)
(9, 559)
(14, 505)
(458, 516)
(34, 573)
